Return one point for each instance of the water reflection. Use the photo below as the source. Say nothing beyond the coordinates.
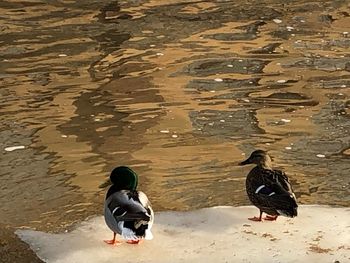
(179, 90)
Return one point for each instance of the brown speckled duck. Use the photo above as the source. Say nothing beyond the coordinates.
(269, 189)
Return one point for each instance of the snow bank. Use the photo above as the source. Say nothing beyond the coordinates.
(217, 234)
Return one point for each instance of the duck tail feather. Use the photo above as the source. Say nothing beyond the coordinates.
(289, 212)
(128, 234)
(148, 234)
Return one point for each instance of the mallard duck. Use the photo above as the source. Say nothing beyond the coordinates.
(127, 212)
(269, 189)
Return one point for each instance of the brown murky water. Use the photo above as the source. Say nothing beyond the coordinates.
(179, 90)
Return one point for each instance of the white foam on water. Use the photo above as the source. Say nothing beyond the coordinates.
(217, 234)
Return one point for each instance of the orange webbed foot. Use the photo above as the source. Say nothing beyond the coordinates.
(112, 242)
(134, 242)
(270, 218)
(257, 219)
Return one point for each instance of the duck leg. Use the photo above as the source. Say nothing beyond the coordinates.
(256, 218)
(270, 218)
(113, 241)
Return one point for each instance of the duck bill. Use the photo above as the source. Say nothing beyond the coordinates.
(248, 161)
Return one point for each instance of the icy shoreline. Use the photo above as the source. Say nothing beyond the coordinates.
(217, 234)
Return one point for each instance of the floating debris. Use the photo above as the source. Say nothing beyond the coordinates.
(281, 81)
(218, 80)
(230, 65)
(321, 155)
(160, 54)
(152, 45)
(64, 136)
(222, 120)
(343, 86)
(14, 148)
(246, 100)
(290, 28)
(62, 55)
(240, 60)
(277, 21)
(174, 136)
(164, 131)
(285, 120)
(288, 148)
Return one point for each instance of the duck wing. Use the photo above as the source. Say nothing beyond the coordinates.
(279, 177)
(126, 206)
(272, 192)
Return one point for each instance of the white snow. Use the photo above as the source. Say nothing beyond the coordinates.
(217, 234)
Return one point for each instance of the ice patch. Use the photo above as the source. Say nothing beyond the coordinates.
(281, 81)
(285, 120)
(14, 148)
(217, 234)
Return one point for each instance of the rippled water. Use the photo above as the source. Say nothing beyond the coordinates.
(178, 90)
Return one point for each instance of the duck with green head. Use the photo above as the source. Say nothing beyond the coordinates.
(127, 212)
(269, 189)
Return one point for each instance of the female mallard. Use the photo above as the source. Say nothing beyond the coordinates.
(268, 189)
(127, 211)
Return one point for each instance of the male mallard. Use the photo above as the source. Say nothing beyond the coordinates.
(127, 211)
(268, 189)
